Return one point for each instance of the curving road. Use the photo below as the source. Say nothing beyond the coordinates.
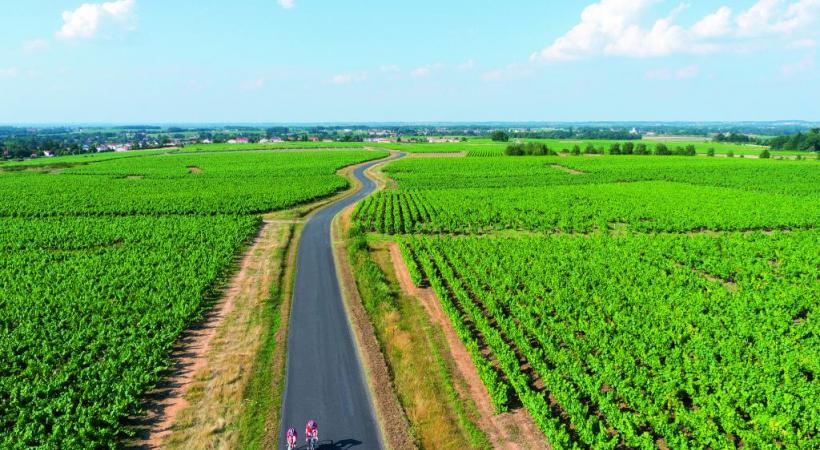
(324, 379)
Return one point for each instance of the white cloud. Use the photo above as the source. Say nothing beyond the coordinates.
(35, 45)
(254, 84)
(714, 25)
(287, 4)
(666, 74)
(10, 72)
(789, 70)
(342, 78)
(347, 78)
(802, 43)
(614, 27)
(390, 68)
(89, 19)
(511, 71)
(466, 65)
(426, 71)
(421, 72)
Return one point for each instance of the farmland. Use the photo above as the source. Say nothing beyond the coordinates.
(104, 262)
(625, 301)
(673, 194)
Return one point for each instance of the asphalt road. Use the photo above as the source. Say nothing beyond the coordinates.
(324, 379)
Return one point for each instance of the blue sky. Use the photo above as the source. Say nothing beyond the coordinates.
(63, 61)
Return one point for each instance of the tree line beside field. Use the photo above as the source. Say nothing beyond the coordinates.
(807, 142)
(627, 148)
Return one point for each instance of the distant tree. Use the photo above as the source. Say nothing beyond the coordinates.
(765, 154)
(500, 136)
(710, 152)
(590, 150)
(576, 150)
(629, 148)
(730, 154)
(615, 149)
(641, 149)
(661, 149)
(690, 150)
(514, 150)
(537, 149)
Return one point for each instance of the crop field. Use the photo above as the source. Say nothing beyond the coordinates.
(102, 265)
(290, 145)
(672, 194)
(625, 302)
(484, 147)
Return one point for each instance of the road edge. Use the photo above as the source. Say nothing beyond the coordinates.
(393, 424)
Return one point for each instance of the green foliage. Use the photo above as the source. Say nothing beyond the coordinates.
(801, 141)
(500, 136)
(528, 149)
(208, 183)
(765, 154)
(103, 265)
(672, 194)
(717, 328)
(647, 299)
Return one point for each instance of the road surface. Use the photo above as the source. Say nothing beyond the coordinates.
(324, 379)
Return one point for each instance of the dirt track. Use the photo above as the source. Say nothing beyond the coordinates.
(512, 431)
(194, 360)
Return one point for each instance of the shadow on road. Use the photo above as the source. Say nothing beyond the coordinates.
(339, 445)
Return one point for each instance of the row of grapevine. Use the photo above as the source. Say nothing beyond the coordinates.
(224, 184)
(642, 340)
(656, 206)
(90, 307)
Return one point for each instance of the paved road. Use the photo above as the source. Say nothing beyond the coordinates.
(324, 380)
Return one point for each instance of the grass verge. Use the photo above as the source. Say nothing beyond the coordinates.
(259, 417)
(415, 351)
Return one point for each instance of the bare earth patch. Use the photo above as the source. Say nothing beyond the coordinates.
(194, 170)
(198, 401)
(513, 430)
(567, 169)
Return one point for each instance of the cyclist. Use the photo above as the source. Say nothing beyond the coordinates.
(292, 436)
(312, 434)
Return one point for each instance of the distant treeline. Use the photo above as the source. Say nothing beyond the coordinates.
(806, 142)
(576, 133)
(626, 148)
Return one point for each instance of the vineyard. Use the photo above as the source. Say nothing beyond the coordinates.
(104, 264)
(625, 302)
(480, 195)
(626, 342)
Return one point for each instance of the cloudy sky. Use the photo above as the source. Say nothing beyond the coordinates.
(64, 61)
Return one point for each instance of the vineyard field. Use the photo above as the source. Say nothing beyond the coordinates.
(674, 194)
(615, 342)
(217, 183)
(625, 301)
(104, 263)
